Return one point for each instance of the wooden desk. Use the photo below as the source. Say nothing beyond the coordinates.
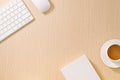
(68, 30)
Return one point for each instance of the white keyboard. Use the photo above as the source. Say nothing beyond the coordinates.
(13, 17)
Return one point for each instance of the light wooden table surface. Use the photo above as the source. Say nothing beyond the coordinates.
(70, 29)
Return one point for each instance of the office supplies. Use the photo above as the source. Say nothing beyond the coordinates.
(13, 17)
(104, 54)
(80, 69)
(42, 5)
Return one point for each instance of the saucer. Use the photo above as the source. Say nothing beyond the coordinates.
(104, 56)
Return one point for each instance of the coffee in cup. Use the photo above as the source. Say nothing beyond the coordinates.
(114, 52)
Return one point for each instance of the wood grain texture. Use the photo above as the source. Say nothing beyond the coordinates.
(71, 28)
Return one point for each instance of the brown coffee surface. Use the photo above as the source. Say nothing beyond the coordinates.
(114, 52)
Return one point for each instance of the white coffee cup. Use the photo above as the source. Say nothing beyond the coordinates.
(108, 44)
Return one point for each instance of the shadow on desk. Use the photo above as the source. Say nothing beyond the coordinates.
(51, 8)
(116, 70)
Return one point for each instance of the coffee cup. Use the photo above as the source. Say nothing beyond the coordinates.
(113, 51)
(110, 53)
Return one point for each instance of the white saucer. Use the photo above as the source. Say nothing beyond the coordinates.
(104, 56)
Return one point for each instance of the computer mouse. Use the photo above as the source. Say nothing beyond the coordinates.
(42, 5)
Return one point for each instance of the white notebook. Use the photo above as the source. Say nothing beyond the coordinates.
(80, 69)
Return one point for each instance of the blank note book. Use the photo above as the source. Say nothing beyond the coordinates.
(80, 69)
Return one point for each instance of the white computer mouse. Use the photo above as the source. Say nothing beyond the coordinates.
(42, 5)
